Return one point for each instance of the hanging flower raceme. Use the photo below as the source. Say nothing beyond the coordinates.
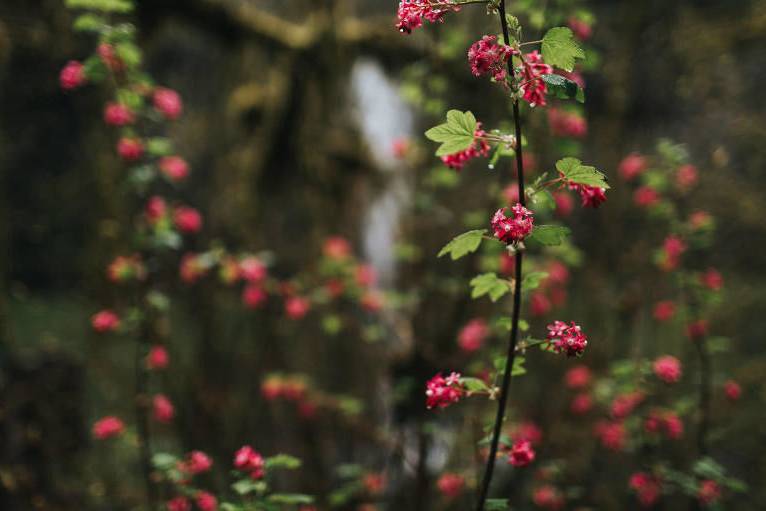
(647, 487)
(451, 485)
(72, 76)
(567, 124)
(157, 358)
(532, 86)
(486, 57)
(591, 196)
(632, 166)
(108, 427)
(206, 501)
(411, 13)
(174, 168)
(667, 369)
(249, 460)
(105, 321)
(472, 335)
(567, 338)
(480, 147)
(442, 392)
(168, 103)
(515, 228)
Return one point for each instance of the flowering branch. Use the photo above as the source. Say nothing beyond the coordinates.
(506, 382)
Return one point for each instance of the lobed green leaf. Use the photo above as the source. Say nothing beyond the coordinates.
(560, 48)
(464, 244)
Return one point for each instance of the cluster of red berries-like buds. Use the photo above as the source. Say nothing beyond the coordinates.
(411, 13)
(250, 461)
(486, 57)
(515, 228)
(567, 338)
(442, 392)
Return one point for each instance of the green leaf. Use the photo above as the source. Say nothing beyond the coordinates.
(532, 280)
(291, 498)
(489, 284)
(101, 5)
(89, 23)
(464, 244)
(563, 88)
(496, 505)
(456, 134)
(159, 146)
(549, 235)
(518, 366)
(575, 172)
(164, 461)
(129, 53)
(560, 48)
(247, 486)
(474, 384)
(282, 461)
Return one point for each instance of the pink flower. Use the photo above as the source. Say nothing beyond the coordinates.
(567, 339)
(578, 377)
(674, 428)
(534, 88)
(109, 58)
(179, 504)
(400, 147)
(479, 148)
(732, 390)
(709, 492)
(253, 296)
(157, 358)
(162, 409)
(206, 501)
(108, 427)
(174, 168)
(412, 12)
(521, 454)
(632, 166)
(548, 497)
(567, 124)
(697, 329)
(451, 485)
(611, 434)
(564, 204)
(646, 196)
(130, 149)
(72, 76)
(197, 462)
(155, 209)
(187, 220)
(647, 487)
(673, 247)
(664, 310)
(168, 103)
(365, 275)
(337, 248)
(487, 57)
(581, 404)
(513, 229)
(473, 335)
(105, 321)
(253, 270)
(624, 404)
(527, 431)
(191, 269)
(700, 220)
(712, 279)
(668, 369)
(686, 177)
(297, 307)
(442, 392)
(374, 483)
(249, 460)
(558, 273)
(539, 304)
(582, 30)
(116, 114)
(590, 196)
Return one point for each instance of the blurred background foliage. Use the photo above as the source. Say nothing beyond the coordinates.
(291, 110)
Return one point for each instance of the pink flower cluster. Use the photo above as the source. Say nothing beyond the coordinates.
(411, 13)
(108, 427)
(472, 336)
(521, 454)
(479, 148)
(442, 392)
(249, 460)
(567, 124)
(486, 57)
(591, 196)
(672, 249)
(647, 487)
(668, 369)
(532, 86)
(451, 485)
(515, 228)
(567, 338)
(665, 421)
